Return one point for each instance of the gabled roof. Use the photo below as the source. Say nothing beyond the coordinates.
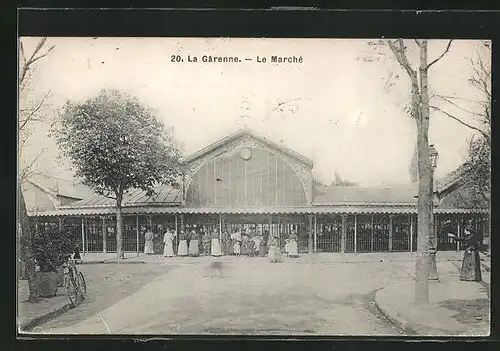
(247, 132)
(36, 199)
(450, 182)
(60, 187)
(354, 195)
(165, 196)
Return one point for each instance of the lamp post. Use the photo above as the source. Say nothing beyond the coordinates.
(433, 275)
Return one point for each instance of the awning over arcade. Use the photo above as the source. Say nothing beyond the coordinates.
(270, 211)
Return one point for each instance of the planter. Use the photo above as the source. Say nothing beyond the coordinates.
(60, 276)
(47, 283)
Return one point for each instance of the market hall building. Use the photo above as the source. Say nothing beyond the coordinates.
(248, 182)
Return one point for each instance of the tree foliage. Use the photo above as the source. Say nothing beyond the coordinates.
(115, 144)
(53, 247)
(476, 172)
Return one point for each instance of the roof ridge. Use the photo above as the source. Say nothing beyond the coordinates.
(252, 133)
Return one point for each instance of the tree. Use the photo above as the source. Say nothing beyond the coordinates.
(476, 170)
(31, 111)
(342, 182)
(116, 144)
(419, 110)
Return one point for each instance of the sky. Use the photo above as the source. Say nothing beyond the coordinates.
(334, 107)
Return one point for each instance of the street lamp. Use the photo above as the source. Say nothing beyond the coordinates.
(433, 275)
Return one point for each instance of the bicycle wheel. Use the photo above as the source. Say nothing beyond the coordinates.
(72, 292)
(81, 284)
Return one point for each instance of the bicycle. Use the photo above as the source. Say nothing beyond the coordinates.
(74, 283)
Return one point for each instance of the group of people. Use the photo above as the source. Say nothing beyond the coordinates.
(251, 244)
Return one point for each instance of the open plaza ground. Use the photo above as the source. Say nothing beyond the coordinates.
(311, 295)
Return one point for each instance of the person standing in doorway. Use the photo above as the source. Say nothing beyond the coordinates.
(148, 243)
(168, 247)
(215, 245)
(183, 247)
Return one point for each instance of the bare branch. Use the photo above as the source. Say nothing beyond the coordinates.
(483, 133)
(42, 56)
(399, 52)
(27, 170)
(33, 58)
(22, 52)
(456, 98)
(418, 42)
(458, 106)
(31, 114)
(441, 56)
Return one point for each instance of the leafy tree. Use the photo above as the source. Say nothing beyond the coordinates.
(116, 144)
(53, 247)
(31, 111)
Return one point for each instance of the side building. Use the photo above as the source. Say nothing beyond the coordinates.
(248, 182)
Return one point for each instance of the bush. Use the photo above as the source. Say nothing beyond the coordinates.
(52, 248)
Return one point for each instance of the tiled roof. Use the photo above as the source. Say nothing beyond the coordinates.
(396, 195)
(165, 196)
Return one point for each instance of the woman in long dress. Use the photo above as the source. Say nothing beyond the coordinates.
(168, 247)
(286, 246)
(292, 246)
(236, 240)
(274, 254)
(228, 247)
(194, 244)
(206, 243)
(215, 247)
(148, 244)
(257, 240)
(262, 246)
(183, 247)
(244, 245)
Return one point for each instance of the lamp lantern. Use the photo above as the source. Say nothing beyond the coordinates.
(433, 154)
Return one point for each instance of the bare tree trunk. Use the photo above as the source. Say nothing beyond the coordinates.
(119, 225)
(422, 265)
(26, 248)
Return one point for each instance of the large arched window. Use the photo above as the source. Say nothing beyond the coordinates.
(246, 177)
